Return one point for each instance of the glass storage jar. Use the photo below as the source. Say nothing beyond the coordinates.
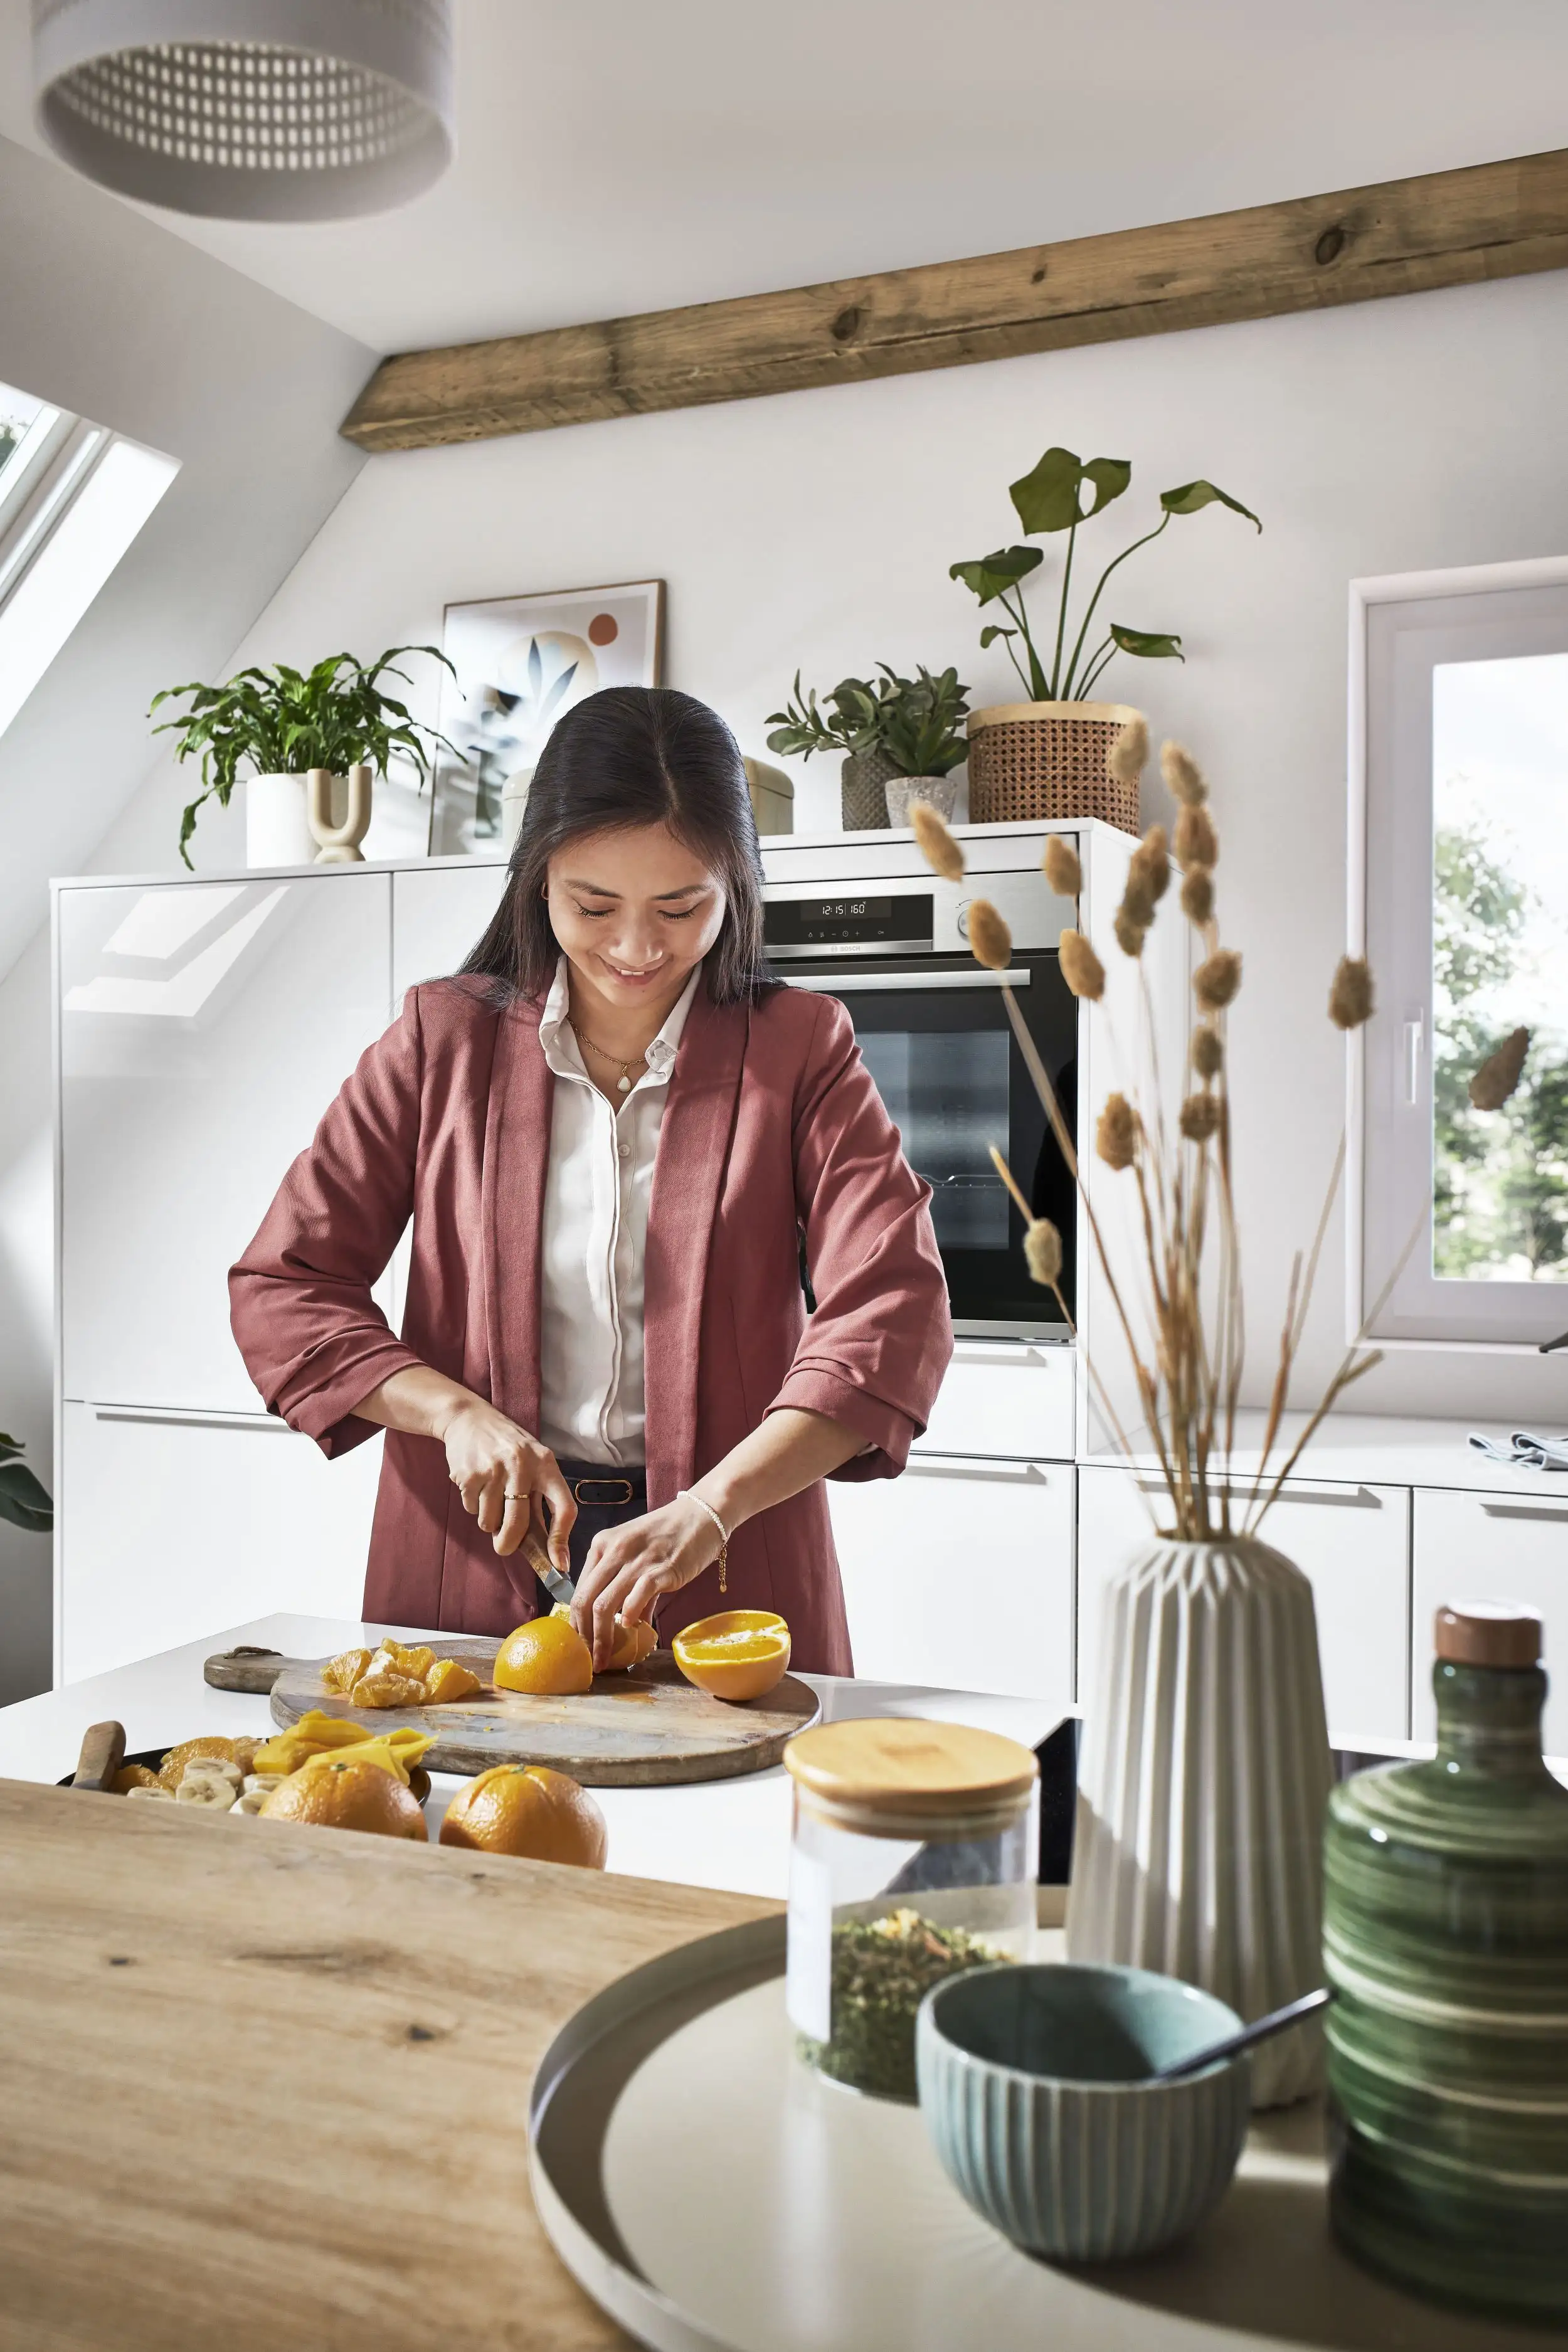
(914, 1858)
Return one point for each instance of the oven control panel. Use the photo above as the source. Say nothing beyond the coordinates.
(876, 923)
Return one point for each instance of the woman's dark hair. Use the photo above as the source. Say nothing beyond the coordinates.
(633, 755)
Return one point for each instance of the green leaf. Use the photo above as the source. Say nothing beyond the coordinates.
(1110, 476)
(991, 631)
(23, 1500)
(1047, 499)
(1191, 496)
(990, 576)
(1149, 646)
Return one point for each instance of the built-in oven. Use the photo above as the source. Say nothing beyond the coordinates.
(872, 925)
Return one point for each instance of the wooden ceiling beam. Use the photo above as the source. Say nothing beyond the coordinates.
(1406, 236)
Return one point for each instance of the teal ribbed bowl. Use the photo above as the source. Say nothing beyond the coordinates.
(1030, 2086)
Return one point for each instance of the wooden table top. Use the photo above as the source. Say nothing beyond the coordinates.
(268, 2085)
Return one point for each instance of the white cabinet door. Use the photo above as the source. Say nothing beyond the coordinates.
(439, 914)
(1491, 1547)
(1352, 1542)
(961, 1574)
(171, 1528)
(203, 1030)
(1004, 1399)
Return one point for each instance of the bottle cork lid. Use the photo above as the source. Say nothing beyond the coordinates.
(1488, 1634)
(884, 1770)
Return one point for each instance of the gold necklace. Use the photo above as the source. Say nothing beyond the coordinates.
(623, 1084)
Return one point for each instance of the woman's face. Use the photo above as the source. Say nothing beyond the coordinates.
(634, 911)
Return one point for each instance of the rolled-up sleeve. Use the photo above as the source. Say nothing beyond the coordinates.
(313, 1338)
(874, 1351)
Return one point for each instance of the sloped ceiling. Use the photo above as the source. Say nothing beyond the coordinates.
(625, 157)
(104, 312)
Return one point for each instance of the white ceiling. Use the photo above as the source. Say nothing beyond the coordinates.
(630, 155)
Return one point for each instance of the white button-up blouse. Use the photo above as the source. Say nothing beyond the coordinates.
(595, 1230)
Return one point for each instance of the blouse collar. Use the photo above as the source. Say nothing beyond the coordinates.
(560, 1044)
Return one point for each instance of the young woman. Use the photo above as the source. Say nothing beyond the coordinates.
(613, 1133)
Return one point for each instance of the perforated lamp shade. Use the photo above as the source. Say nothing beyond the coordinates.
(248, 109)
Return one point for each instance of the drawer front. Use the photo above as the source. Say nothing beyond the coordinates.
(1491, 1547)
(1004, 1400)
(1352, 1542)
(960, 1575)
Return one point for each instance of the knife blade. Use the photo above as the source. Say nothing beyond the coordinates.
(560, 1588)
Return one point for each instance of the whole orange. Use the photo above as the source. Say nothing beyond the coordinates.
(341, 1796)
(547, 1657)
(528, 1810)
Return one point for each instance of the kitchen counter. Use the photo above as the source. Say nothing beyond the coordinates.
(1382, 1449)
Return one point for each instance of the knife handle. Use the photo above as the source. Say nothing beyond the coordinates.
(544, 1568)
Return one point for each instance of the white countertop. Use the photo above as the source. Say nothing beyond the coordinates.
(1381, 1450)
(723, 1833)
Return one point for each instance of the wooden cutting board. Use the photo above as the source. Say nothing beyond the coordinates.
(649, 1727)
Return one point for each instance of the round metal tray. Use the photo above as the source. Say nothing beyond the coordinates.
(714, 2194)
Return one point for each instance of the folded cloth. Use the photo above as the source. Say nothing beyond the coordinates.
(1524, 1450)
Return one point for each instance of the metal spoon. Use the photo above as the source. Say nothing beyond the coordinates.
(1260, 2029)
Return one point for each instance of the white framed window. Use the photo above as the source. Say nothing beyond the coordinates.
(1458, 857)
(73, 497)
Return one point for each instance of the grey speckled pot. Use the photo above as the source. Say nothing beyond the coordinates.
(1029, 2086)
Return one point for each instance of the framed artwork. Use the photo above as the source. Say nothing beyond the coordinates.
(521, 663)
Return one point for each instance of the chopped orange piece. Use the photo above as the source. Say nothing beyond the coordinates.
(173, 1769)
(418, 1663)
(450, 1679)
(342, 1673)
(134, 1776)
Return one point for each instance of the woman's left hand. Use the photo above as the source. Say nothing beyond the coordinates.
(630, 1566)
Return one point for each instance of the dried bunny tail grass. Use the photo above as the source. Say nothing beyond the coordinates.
(1216, 981)
(1138, 899)
(990, 941)
(935, 843)
(1061, 867)
(1197, 841)
(1129, 755)
(1183, 777)
(1043, 1253)
(1116, 1133)
(1130, 932)
(1197, 896)
(1152, 863)
(1200, 1117)
(1501, 1073)
(1351, 994)
(1208, 1052)
(1080, 967)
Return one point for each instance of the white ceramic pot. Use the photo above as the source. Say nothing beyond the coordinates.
(276, 822)
(1204, 1786)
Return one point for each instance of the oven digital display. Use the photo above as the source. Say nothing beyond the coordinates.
(847, 918)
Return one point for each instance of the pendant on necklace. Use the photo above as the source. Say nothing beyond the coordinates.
(623, 1086)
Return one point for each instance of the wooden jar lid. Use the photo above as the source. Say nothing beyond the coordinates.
(1488, 1634)
(896, 1776)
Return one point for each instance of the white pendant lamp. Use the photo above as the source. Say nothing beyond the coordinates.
(248, 109)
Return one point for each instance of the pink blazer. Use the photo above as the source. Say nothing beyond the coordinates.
(772, 1128)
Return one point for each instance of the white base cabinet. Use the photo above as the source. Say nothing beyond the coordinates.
(173, 1526)
(1471, 1547)
(1352, 1541)
(1004, 1400)
(961, 1574)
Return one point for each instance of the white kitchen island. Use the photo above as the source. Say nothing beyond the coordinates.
(732, 1834)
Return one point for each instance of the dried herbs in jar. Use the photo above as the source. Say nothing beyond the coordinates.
(881, 1971)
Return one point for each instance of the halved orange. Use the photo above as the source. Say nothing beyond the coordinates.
(738, 1654)
(547, 1657)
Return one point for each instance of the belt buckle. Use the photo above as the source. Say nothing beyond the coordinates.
(604, 1501)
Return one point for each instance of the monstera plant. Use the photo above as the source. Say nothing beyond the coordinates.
(23, 1501)
(1061, 494)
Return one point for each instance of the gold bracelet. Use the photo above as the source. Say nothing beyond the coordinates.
(686, 1496)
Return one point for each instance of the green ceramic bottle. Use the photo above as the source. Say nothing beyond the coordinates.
(1445, 1940)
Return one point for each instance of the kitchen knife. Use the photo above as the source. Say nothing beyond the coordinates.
(559, 1587)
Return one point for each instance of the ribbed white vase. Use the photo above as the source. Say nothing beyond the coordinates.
(1204, 1786)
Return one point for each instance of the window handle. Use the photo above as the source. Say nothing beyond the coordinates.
(1414, 1038)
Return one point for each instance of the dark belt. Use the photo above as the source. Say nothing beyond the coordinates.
(607, 1491)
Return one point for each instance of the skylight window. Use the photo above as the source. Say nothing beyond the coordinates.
(73, 497)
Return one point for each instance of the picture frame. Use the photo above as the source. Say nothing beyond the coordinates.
(520, 663)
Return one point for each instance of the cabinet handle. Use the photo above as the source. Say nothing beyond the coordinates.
(966, 1465)
(181, 1416)
(1555, 1512)
(886, 983)
(1319, 1490)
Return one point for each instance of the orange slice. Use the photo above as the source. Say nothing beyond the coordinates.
(738, 1654)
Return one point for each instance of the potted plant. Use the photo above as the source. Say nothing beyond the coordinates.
(23, 1501)
(299, 732)
(1047, 757)
(891, 729)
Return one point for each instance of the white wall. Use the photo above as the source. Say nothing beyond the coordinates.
(107, 314)
(817, 529)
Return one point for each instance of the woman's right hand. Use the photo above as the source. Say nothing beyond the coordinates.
(506, 1478)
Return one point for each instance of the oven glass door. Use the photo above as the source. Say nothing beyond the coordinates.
(937, 1041)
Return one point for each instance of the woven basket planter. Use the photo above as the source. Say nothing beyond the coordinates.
(1046, 759)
